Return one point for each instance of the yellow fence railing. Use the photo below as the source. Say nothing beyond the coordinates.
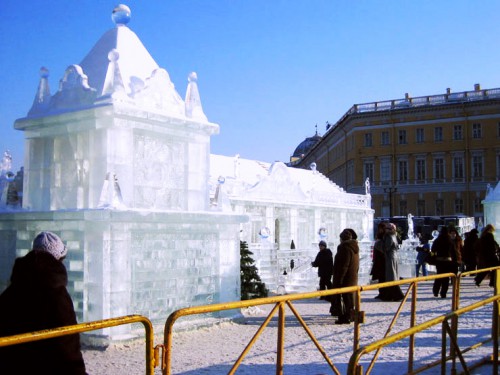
(358, 316)
(152, 356)
(282, 302)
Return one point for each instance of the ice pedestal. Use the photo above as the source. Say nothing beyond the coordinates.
(365, 261)
(407, 256)
(134, 262)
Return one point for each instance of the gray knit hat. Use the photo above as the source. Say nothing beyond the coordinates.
(50, 243)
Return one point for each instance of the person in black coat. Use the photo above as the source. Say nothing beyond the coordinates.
(446, 261)
(345, 273)
(324, 262)
(469, 256)
(488, 254)
(37, 299)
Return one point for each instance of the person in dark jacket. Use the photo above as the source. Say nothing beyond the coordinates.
(378, 266)
(37, 299)
(469, 256)
(488, 254)
(324, 263)
(345, 273)
(446, 261)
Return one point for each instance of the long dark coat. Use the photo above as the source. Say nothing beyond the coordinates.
(37, 299)
(346, 264)
(487, 251)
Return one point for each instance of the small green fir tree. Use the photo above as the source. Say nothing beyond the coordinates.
(251, 284)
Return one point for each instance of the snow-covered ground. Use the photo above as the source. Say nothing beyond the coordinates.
(214, 350)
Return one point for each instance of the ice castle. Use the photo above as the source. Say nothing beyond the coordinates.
(118, 164)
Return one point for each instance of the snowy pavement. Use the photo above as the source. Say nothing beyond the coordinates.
(214, 350)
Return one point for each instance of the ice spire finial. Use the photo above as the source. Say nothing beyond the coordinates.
(121, 15)
(113, 82)
(42, 97)
(194, 109)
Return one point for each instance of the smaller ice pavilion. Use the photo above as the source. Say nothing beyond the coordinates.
(118, 164)
(491, 204)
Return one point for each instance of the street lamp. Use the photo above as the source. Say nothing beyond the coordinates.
(390, 191)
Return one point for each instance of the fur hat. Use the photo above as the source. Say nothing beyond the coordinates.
(346, 235)
(50, 243)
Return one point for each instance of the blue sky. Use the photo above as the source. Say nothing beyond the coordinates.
(268, 70)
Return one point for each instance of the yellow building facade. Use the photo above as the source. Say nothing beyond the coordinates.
(431, 155)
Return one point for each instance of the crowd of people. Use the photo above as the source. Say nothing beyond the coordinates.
(449, 251)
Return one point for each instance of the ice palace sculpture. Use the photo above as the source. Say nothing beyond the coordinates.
(119, 165)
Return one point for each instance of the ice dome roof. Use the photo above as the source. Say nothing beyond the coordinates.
(136, 64)
(118, 69)
(306, 145)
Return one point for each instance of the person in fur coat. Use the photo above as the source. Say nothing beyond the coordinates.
(345, 273)
(37, 299)
(391, 246)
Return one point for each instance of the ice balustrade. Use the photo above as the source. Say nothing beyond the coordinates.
(290, 271)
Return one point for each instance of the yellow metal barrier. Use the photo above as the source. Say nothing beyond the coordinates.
(282, 301)
(355, 369)
(455, 351)
(151, 354)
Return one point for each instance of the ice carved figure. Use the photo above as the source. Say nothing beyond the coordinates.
(6, 164)
(411, 233)
(111, 195)
(8, 189)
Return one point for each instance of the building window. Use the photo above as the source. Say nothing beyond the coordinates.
(457, 132)
(477, 204)
(458, 168)
(368, 139)
(439, 207)
(439, 170)
(385, 171)
(402, 137)
(384, 138)
(350, 173)
(459, 206)
(403, 208)
(419, 136)
(477, 166)
(476, 131)
(403, 171)
(420, 207)
(368, 171)
(420, 170)
(438, 134)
